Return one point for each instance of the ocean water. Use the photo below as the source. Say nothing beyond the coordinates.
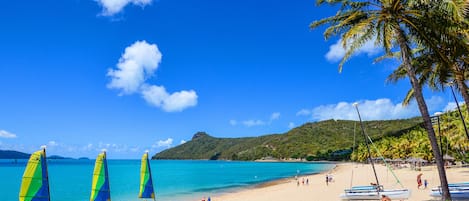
(174, 180)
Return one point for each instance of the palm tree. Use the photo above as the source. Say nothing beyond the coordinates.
(388, 23)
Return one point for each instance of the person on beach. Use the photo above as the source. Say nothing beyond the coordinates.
(425, 183)
(385, 198)
(419, 180)
(327, 180)
(209, 199)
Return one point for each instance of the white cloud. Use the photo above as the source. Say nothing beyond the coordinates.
(304, 112)
(250, 123)
(138, 63)
(291, 125)
(337, 52)
(6, 134)
(274, 116)
(233, 122)
(165, 143)
(111, 7)
(182, 142)
(52, 143)
(450, 107)
(380, 109)
(257, 122)
(177, 101)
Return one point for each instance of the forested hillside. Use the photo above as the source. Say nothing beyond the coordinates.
(325, 140)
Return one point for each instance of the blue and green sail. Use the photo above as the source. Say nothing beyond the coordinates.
(100, 190)
(35, 183)
(146, 183)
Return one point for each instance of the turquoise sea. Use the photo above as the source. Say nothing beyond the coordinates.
(174, 180)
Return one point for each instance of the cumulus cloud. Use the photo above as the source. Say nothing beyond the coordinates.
(52, 143)
(112, 7)
(250, 123)
(233, 122)
(304, 112)
(274, 116)
(291, 125)
(337, 52)
(6, 134)
(138, 63)
(165, 143)
(380, 109)
(257, 122)
(450, 106)
(182, 142)
(177, 101)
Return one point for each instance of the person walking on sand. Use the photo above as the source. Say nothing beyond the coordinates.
(327, 180)
(419, 180)
(425, 183)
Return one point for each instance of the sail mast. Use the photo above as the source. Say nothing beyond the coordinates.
(46, 171)
(366, 143)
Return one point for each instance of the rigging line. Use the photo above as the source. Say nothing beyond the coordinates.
(387, 165)
(353, 150)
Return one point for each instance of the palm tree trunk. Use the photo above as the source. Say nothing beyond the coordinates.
(462, 87)
(405, 55)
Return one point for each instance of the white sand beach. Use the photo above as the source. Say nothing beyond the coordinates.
(317, 190)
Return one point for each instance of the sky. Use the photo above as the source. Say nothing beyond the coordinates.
(80, 76)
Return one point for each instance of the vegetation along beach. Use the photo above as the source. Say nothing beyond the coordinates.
(234, 100)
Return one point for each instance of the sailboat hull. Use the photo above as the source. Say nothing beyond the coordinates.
(399, 194)
(457, 192)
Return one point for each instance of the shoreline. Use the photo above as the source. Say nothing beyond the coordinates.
(220, 195)
(343, 172)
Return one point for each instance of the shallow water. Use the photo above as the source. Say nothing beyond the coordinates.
(173, 179)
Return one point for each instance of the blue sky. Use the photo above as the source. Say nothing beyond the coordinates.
(134, 75)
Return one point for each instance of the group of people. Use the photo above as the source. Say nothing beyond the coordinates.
(419, 181)
(208, 199)
(329, 178)
(302, 181)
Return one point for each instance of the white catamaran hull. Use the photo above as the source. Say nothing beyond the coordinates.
(401, 194)
(461, 192)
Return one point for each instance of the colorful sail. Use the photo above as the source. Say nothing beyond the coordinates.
(100, 190)
(146, 183)
(35, 183)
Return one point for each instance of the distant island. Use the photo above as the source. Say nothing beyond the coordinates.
(10, 154)
(331, 140)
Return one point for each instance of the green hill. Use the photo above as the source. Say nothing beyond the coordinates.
(325, 140)
(8, 154)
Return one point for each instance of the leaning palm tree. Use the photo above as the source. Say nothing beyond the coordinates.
(389, 23)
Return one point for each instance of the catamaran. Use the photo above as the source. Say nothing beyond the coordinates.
(146, 183)
(373, 192)
(100, 190)
(457, 191)
(35, 182)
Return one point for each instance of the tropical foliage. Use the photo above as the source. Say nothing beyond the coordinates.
(325, 140)
(438, 28)
(415, 144)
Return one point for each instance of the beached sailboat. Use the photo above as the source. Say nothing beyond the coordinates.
(458, 191)
(100, 190)
(35, 182)
(146, 182)
(373, 192)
